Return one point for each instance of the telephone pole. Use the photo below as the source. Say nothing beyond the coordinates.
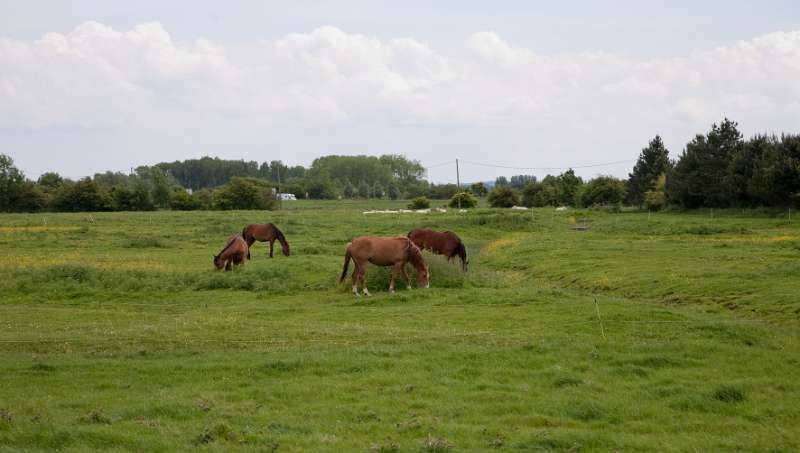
(458, 185)
(280, 197)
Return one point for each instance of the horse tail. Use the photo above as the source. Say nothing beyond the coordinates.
(347, 257)
(244, 236)
(461, 251)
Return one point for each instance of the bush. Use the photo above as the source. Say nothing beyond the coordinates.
(478, 189)
(393, 192)
(419, 203)
(463, 200)
(503, 197)
(244, 193)
(539, 194)
(30, 198)
(182, 201)
(601, 191)
(656, 199)
(84, 195)
(136, 199)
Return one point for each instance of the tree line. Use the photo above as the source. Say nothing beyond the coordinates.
(717, 169)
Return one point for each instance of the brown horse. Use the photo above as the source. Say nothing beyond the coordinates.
(444, 243)
(265, 232)
(234, 252)
(393, 251)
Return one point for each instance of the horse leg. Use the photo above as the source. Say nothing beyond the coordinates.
(227, 265)
(355, 278)
(395, 271)
(271, 243)
(362, 271)
(405, 274)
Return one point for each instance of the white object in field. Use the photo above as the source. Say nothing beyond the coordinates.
(401, 211)
(287, 197)
(519, 208)
(561, 208)
(441, 210)
(462, 210)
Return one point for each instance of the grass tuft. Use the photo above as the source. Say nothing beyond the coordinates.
(218, 432)
(146, 242)
(437, 444)
(567, 382)
(42, 368)
(97, 417)
(728, 394)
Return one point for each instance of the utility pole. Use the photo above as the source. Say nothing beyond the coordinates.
(280, 197)
(458, 185)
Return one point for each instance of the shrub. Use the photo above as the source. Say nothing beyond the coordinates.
(419, 203)
(182, 201)
(539, 194)
(243, 193)
(478, 189)
(656, 199)
(463, 200)
(84, 195)
(503, 197)
(601, 191)
(135, 199)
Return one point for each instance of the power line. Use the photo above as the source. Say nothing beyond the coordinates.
(511, 167)
(440, 164)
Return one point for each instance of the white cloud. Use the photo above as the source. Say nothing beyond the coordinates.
(98, 78)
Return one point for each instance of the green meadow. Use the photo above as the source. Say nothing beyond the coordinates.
(645, 332)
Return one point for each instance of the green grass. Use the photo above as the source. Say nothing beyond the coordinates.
(117, 334)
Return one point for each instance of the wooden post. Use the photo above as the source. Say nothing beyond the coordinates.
(458, 185)
(280, 198)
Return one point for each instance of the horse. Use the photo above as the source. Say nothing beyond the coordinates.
(265, 232)
(383, 251)
(444, 243)
(234, 252)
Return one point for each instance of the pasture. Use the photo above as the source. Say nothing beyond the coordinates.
(116, 333)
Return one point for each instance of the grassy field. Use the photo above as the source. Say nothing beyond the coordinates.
(662, 332)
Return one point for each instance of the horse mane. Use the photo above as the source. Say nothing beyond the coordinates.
(414, 253)
(279, 234)
(230, 243)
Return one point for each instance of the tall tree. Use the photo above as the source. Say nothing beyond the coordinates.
(652, 163)
(698, 178)
(568, 184)
(11, 183)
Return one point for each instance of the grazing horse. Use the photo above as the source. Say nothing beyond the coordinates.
(393, 251)
(444, 243)
(234, 252)
(265, 232)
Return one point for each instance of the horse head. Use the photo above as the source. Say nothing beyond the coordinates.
(219, 263)
(423, 270)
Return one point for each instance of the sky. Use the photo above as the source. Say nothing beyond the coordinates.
(89, 86)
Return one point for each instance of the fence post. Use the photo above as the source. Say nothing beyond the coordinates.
(597, 308)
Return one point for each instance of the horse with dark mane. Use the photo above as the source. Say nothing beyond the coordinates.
(234, 252)
(392, 251)
(444, 243)
(263, 232)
